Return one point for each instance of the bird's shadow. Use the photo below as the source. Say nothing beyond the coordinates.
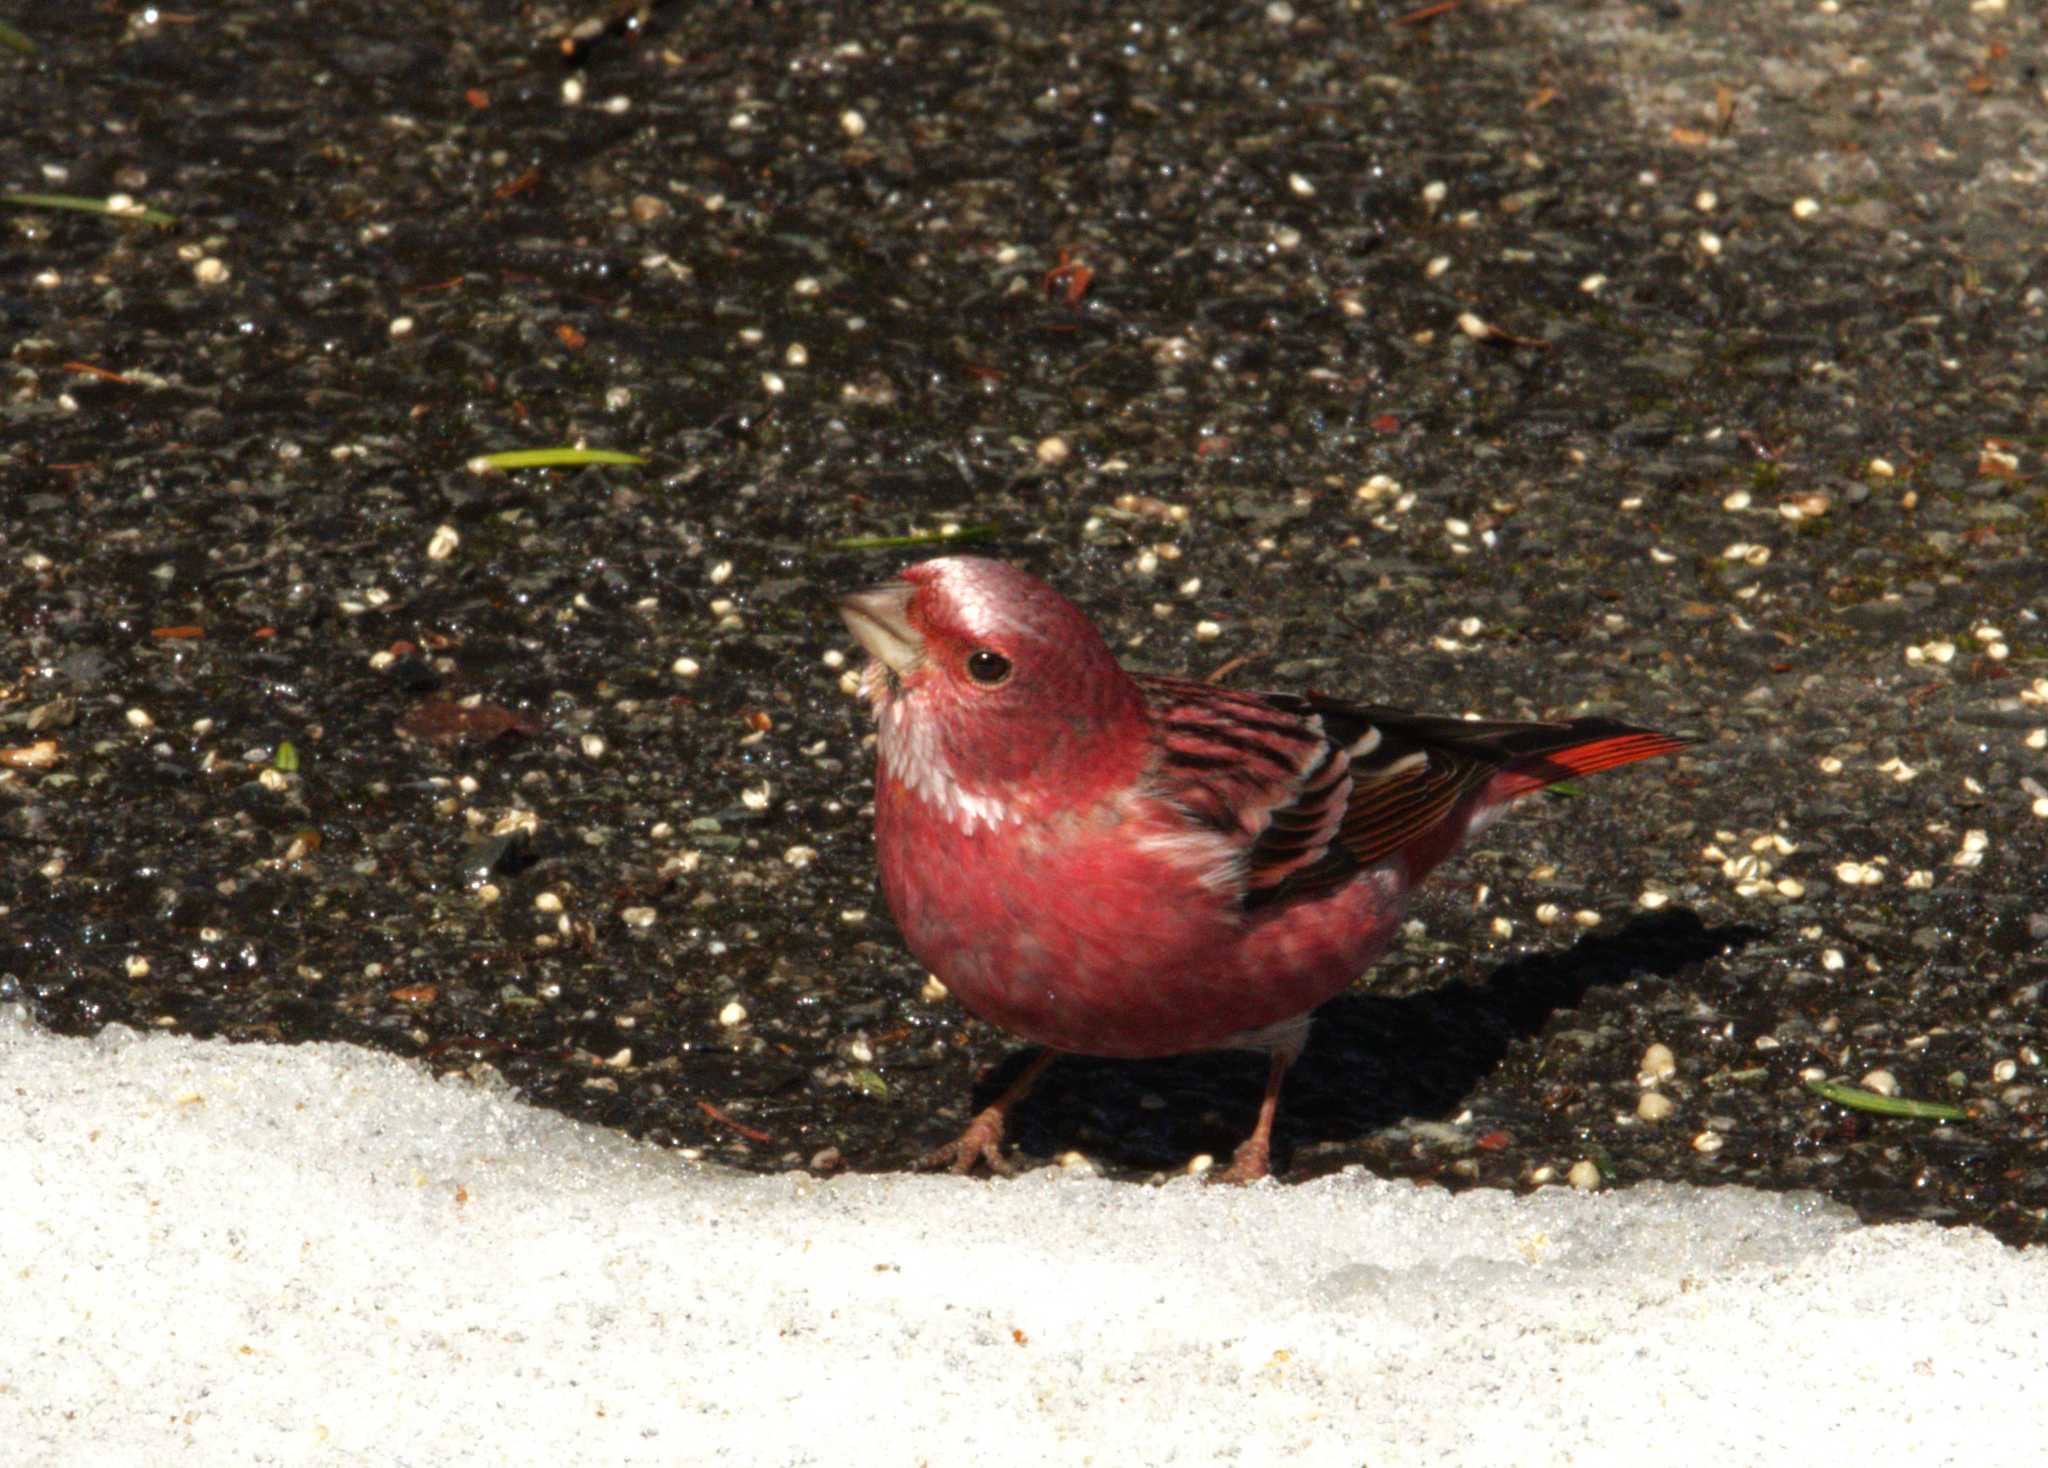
(1371, 1060)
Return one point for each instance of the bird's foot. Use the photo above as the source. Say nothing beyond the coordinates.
(1250, 1162)
(981, 1142)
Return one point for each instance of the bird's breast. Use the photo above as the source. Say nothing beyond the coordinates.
(1094, 932)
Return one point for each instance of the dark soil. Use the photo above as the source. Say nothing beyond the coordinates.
(1741, 435)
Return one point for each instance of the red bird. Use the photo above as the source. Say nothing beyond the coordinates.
(1109, 863)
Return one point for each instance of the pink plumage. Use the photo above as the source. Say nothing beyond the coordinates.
(1107, 863)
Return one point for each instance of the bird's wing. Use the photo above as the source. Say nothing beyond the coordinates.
(1311, 789)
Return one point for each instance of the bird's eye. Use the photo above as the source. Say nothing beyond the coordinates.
(987, 668)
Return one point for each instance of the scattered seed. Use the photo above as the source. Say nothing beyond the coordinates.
(1584, 1176)
(1658, 1064)
(1654, 1106)
(733, 1015)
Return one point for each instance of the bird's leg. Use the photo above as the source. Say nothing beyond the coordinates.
(1251, 1160)
(983, 1139)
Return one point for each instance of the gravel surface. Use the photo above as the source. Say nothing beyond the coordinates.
(1514, 360)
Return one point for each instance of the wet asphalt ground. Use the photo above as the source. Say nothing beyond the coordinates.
(1686, 363)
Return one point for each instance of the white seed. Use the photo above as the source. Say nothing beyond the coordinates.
(1919, 878)
(140, 719)
(755, 797)
(1593, 284)
(1880, 469)
(210, 271)
(1829, 765)
(685, 667)
(1658, 1064)
(547, 902)
(1652, 899)
(638, 917)
(934, 989)
(1053, 450)
(1708, 1142)
(1883, 1082)
(1300, 186)
(1710, 243)
(1585, 1175)
(1503, 927)
(138, 968)
(800, 856)
(1548, 913)
(1791, 887)
(852, 123)
(592, 746)
(1831, 959)
(1805, 208)
(733, 1015)
(1585, 917)
(1654, 1106)
(1972, 853)
(1206, 631)
(441, 545)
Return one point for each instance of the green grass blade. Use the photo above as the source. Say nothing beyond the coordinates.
(551, 459)
(922, 537)
(84, 205)
(1858, 1099)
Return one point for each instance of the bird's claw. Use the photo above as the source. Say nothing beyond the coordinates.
(981, 1142)
(1250, 1162)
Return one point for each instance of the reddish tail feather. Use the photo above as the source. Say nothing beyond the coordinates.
(1603, 752)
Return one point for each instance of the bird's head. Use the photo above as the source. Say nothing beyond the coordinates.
(990, 688)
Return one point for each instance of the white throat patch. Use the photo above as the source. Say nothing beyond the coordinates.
(910, 748)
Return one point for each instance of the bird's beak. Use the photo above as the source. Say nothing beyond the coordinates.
(880, 618)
